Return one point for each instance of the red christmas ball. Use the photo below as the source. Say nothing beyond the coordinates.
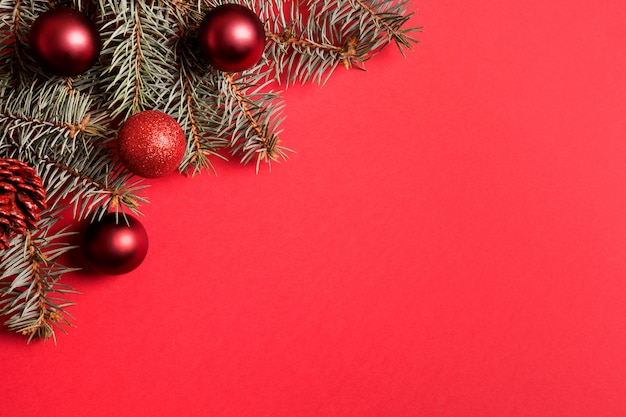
(232, 38)
(151, 144)
(64, 42)
(113, 247)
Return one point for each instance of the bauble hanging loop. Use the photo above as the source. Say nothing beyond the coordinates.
(64, 42)
(232, 38)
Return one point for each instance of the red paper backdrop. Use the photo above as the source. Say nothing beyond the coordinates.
(448, 240)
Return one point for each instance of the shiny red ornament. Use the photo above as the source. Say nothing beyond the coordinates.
(151, 144)
(64, 42)
(232, 38)
(113, 247)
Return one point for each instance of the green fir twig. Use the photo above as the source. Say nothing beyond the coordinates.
(32, 298)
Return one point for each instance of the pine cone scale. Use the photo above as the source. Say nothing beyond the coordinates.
(22, 196)
(5, 186)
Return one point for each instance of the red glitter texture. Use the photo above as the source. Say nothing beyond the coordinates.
(151, 144)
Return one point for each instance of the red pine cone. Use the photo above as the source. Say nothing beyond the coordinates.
(22, 196)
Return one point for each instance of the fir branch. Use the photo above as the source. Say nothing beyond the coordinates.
(185, 11)
(47, 118)
(389, 16)
(10, 25)
(197, 125)
(308, 45)
(138, 47)
(305, 46)
(64, 129)
(31, 295)
(245, 107)
(251, 118)
(92, 190)
(195, 137)
(192, 103)
(346, 53)
(91, 181)
(136, 36)
(16, 16)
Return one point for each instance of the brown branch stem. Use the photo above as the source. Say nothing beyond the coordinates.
(346, 52)
(137, 51)
(243, 104)
(393, 32)
(117, 195)
(42, 325)
(17, 18)
(192, 119)
(70, 129)
(287, 38)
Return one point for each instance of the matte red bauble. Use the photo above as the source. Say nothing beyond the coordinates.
(232, 38)
(151, 144)
(64, 42)
(113, 247)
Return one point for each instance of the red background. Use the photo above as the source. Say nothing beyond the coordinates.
(448, 240)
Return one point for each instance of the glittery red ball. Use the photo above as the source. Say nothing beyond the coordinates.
(64, 42)
(232, 38)
(151, 144)
(113, 247)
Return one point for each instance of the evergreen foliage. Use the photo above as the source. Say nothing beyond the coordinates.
(65, 127)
